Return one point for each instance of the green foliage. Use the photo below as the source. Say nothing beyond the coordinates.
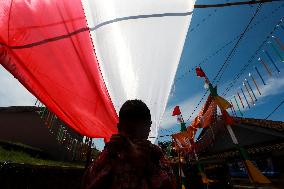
(22, 157)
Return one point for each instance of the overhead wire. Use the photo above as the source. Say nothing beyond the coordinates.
(207, 58)
(256, 23)
(191, 29)
(274, 110)
(245, 67)
(228, 57)
(226, 63)
(236, 3)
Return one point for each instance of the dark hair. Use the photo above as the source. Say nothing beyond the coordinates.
(134, 110)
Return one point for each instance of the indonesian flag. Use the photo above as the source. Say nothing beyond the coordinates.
(200, 72)
(84, 58)
(176, 111)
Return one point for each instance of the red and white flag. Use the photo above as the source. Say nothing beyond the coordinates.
(84, 58)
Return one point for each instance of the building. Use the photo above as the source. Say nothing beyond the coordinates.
(263, 140)
(28, 125)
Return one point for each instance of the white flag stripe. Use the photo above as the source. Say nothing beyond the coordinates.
(139, 57)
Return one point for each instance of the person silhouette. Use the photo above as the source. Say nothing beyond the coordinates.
(129, 160)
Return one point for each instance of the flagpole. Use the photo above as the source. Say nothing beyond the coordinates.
(236, 142)
(179, 169)
(177, 113)
(253, 173)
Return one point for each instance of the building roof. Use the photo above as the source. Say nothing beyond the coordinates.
(276, 125)
(251, 133)
(15, 109)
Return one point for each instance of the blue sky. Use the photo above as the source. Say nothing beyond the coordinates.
(210, 29)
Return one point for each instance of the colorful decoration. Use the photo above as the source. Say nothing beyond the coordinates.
(244, 84)
(206, 114)
(281, 46)
(199, 72)
(61, 132)
(222, 103)
(265, 66)
(234, 111)
(259, 75)
(254, 173)
(245, 97)
(254, 81)
(271, 60)
(251, 89)
(177, 112)
(238, 106)
(240, 99)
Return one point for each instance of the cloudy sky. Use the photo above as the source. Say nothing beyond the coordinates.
(212, 29)
(211, 36)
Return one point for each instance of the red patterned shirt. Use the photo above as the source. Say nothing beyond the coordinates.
(125, 164)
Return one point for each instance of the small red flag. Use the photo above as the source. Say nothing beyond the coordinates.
(199, 72)
(176, 111)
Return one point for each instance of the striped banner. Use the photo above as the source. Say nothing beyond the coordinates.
(89, 57)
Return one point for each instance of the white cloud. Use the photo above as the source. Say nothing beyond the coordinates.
(12, 92)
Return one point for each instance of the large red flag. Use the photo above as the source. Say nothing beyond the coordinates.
(46, 45)
(82, 58)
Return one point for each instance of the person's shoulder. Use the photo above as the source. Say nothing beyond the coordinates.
(116, 144)
(98, 169)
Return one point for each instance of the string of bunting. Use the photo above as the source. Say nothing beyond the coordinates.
(255, 54)
(231, 53)
(242, 70)
(183, 142)
(265, 60)
(277, 40)
(207, 58)
(184, 138)
(72, 142)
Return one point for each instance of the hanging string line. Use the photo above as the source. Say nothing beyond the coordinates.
(242, 71)
(245, 67)
(228, 58)
(191, 29)
(226, 63)
(207, 58)
(236, 3)
(274, 110)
